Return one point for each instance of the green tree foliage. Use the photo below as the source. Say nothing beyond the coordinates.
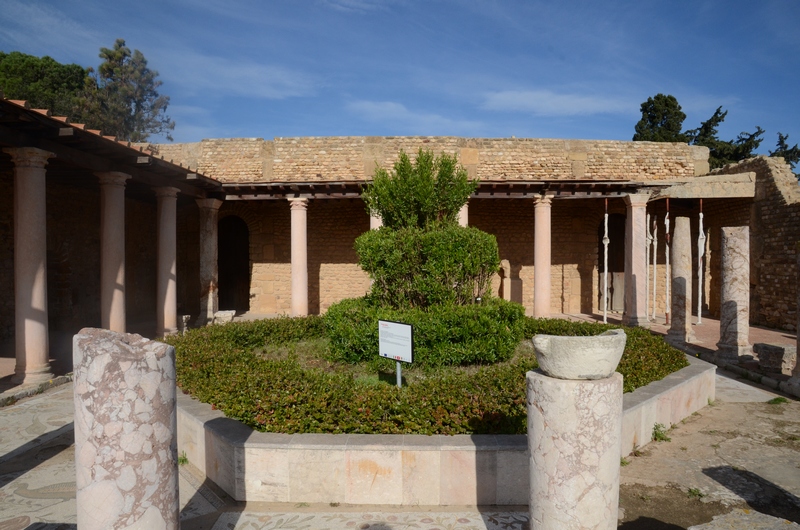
(724, 152)
(421, 257)
(662, 120)
(790, 154)
(43, 82)
(121, 96)
(429, 189)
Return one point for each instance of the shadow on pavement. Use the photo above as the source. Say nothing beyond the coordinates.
(759, 493)
(34, 453)
(648, 523)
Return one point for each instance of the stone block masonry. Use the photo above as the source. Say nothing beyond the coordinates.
(125, 432)
(353, 158)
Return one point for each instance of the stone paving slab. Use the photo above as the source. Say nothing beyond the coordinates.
(746, 520)
(374, 521)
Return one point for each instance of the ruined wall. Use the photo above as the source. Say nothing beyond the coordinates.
(353, 158)
(774, 231)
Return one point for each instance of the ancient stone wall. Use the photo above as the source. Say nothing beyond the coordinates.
(141, 243)
(353, 158)
(188, 259)
(774, 230)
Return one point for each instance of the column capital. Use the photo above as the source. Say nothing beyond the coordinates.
(637, 199)
(298, 203)
(28, 156)
(544, 199)
(208, 204)
(166, 192)
(112, 178)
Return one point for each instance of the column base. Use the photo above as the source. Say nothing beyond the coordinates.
(728, 352)
(32, 377)
(636, 321)
(677, 338)
(791, 386)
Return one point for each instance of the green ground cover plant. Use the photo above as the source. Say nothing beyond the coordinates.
(279, 375)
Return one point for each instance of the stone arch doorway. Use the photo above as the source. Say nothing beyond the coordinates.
(234, 264)
(616, 262)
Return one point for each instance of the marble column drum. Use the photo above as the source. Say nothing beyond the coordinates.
(299, 230)
(30, 265)
(125, 432)
(209, 253)
(574, 437)
(734, 319)
(541, 256)
(635, 260)
(680, 330)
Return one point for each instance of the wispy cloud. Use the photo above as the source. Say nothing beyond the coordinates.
(39, 29)
(547, 103)
(397, 116)
(356, 6)
(225, 77)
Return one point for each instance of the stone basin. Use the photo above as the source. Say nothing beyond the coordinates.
(580, 358)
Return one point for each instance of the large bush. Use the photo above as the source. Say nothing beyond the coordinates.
(414, 267)
(443, 335)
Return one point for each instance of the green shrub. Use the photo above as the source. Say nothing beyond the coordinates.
(413, 267)
(444, 335)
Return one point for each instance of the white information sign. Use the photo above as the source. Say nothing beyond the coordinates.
(396, 341)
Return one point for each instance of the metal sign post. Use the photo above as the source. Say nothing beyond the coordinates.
(396, 341)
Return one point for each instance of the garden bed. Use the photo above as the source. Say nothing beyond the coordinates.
(275, 376)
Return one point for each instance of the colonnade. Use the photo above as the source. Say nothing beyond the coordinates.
(30, 260)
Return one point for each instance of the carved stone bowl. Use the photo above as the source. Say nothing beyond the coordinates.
(579, 358)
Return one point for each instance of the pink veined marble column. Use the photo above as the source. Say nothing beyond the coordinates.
(209, 253)
(375, 222)
(30, 265)
(734, 319)
(299, 257)
(541, 256)
(463, 215)
(112, 250)
(680, 330)
(635, 260)
(166, 268)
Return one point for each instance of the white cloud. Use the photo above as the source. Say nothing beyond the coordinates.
(396, 115)
(231, 77)
(547, 103)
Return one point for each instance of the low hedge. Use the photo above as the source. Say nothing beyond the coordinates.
(220, 365)
(445, 335)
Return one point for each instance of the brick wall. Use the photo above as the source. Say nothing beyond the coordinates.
(774, 231)
(355, 158)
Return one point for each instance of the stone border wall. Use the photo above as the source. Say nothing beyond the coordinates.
(354, 158)
(403, 469)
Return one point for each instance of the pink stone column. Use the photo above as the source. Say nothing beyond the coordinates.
(126, 443)
(375, 222)
(209, 265)
(734, 319)
(680, 330)
(635, 261)
(30, 265)
(463, 215)
(166, 268)
(112, 250)
(541, 256)
(299, 257)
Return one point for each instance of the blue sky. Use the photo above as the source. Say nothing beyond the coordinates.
(480, 68)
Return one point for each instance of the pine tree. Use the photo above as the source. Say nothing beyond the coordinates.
(662, 120)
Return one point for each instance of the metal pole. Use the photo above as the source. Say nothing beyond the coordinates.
(605, 265)
(701, 250)
(668, 302)
(655, 263)
(647, 267)
(399, 375)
